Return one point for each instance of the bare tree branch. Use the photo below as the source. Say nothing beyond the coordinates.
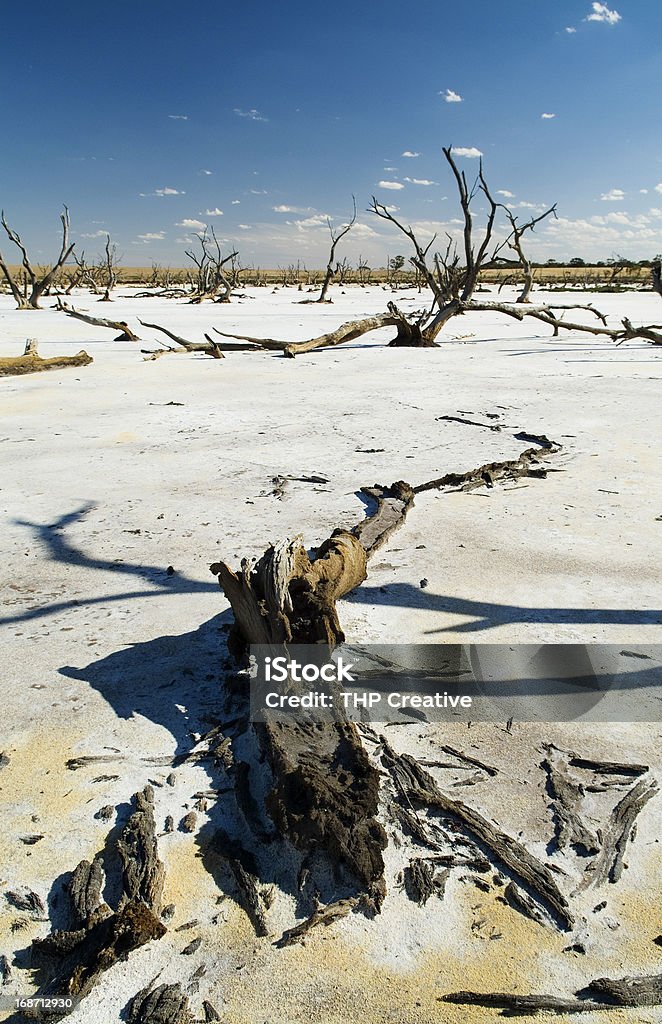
(38, 285)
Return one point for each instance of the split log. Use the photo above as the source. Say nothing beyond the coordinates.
(629, 991)
(608, 865)
(522, 902)
(606, 767)
(567, 796)
(126, 334)
(524, 1005)
(415, 785)
(143, 873)
(167, 1004)
(31, 361)
(85, 891)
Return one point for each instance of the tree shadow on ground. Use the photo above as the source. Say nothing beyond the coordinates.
(158, 579)
(483, 615)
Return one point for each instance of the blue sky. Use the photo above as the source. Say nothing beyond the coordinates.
(152, 119)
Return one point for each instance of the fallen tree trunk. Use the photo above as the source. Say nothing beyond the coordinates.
(31, 362)
(325, 790)
(126, 334)
(415, 335)
(349, 331)
(610, 992)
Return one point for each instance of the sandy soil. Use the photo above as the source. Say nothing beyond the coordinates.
(117, 471)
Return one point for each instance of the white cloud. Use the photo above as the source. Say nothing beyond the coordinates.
(178, 117)
(290, 209)
(570, 30)
(236, 202)
(204, 171)
(94, 234)
(152, 236)
(451, 97)
(547, 117)
(409, 153)
(614, 195)
(643, 191)
(421, 181)
(658, 188)
(315, 221)
(167, 191)
(252, 114)
(390, 169)
(214, 213)
(191, 225)
(505, 193)
(394, 185)
(602, 13)
(468, 151)
(245, 227)
(259, 192)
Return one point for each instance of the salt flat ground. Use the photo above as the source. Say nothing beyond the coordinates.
(112, 473)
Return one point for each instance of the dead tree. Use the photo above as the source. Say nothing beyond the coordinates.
(108, 268)
(452, 277)
(335, 238)
(514, 241)
(212, 281)
(86, 274)
(36, 280)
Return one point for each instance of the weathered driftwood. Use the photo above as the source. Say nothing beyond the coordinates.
(325, 790)
(629, 991)
(245, 870)
(525, 1005)
(468, 759)
(415, 785)
(143, 873)
(529, 464)
(608, 865)
(599, 994)
(424, 878)
(85, 891)
(166, 1004)
(606, 767)
(321, 916)
(31, 361)
(81, 957)
(126, 334)
(76, 958)
(567, 795)
(349, 331)
(521, 901)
